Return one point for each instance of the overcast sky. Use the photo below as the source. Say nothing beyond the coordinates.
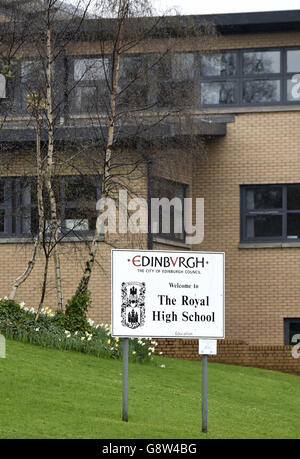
(228, 6)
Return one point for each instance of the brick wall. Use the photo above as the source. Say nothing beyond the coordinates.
(262, 284)
(277, 358)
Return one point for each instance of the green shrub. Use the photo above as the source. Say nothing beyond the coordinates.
(76, 312)
(69, 331)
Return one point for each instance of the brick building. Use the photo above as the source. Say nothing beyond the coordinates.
(245, 109)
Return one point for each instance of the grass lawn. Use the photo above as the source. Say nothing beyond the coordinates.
(46, 393)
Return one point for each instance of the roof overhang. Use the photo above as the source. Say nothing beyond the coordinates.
(164, 130)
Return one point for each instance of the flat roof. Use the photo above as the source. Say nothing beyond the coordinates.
(271, 21)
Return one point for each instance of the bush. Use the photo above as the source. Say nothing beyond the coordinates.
(76, 311)
(69, 331)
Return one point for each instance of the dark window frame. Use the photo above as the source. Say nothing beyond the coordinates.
(287, 331)
(14, 220)
(73, 85)
(160, 234)
(239, 78)
(283, 212)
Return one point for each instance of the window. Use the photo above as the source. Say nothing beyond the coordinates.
(270, 213)
(88, 87)
(134, 80)
(250, 77)
(76, 198)
(291, 330)
(172, 214)
(32, 78)
(175, 82)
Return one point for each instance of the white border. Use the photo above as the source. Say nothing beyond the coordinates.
(169, 336)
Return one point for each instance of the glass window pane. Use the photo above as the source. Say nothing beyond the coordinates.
(261, 62)
(219, 64)
(259, 91)
(293, 61)
(218, 93)
(30, 69)
(293, 89)
(167, 189)
(90, 69)
(268, 197)
(264, 226)
(80, 189)
(294, 330)
(80, 220)
(84, 100)
(293, 197)
(182, 66)
(293, 226)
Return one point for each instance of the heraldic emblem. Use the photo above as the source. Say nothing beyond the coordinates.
(133, 304)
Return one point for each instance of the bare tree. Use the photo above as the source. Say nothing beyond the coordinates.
(128, 115)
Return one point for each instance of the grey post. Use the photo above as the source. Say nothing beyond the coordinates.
(204, 393)
(125, 380)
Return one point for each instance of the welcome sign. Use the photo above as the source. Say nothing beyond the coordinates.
(162, 294)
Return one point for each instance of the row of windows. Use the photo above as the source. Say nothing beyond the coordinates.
(191, 79)
(76, 198)
(269, 213)
(251, 77)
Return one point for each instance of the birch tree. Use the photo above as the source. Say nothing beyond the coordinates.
(132, 28)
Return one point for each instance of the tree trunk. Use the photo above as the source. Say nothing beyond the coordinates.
(44, 286)
(53, 207)
(19, 280)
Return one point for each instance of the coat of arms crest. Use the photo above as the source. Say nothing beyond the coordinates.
(133, 304)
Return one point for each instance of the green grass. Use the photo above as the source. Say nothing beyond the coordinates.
(47, 393)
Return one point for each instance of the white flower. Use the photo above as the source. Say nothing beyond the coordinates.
(163, 366)
(67, 332)
(5, 298)
(160, 353)
(82, 338)
(37, 329)
(22, 304)
(91, 322)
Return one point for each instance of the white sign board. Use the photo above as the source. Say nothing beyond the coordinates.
(207, 346)
(162, 294)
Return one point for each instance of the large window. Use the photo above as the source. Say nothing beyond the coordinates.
(168, 222)
(76, 198)
(270, 213)
(88, 84)
(250, 77)
(291, 331)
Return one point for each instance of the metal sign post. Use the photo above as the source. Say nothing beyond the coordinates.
(204, 393)
(206, 347)
(125, 380)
